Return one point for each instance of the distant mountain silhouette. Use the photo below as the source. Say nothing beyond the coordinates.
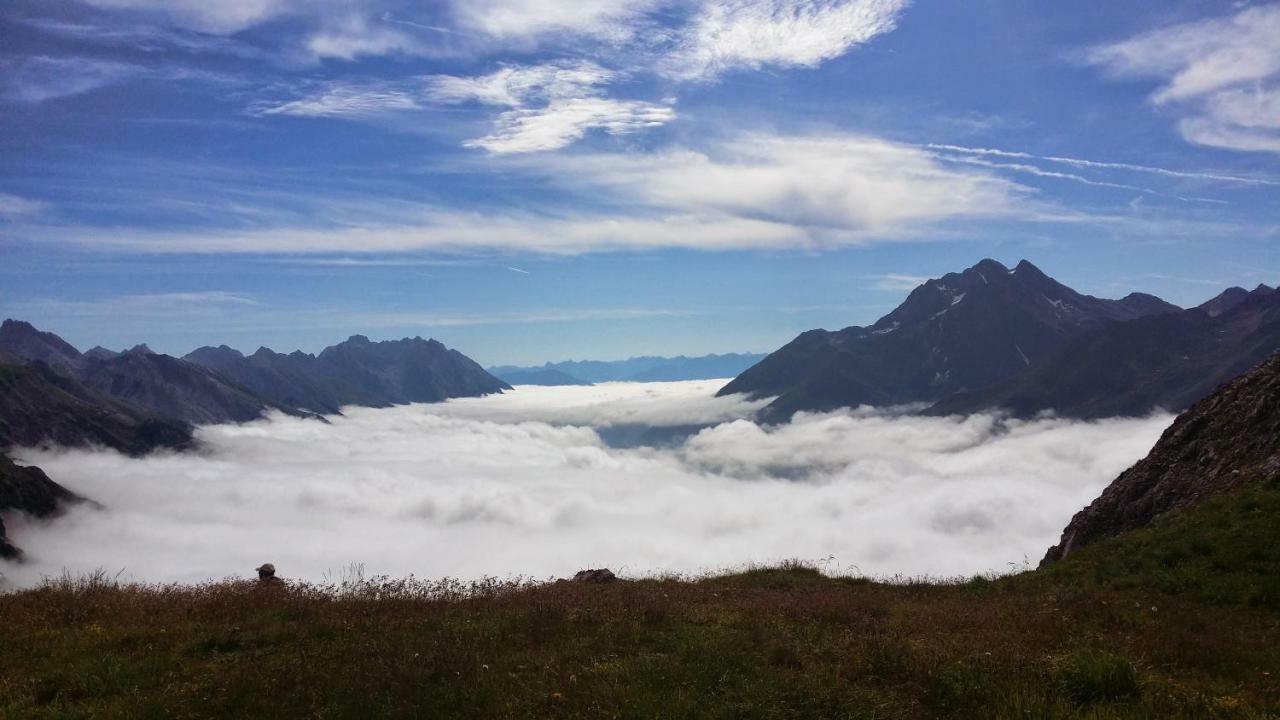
(1231, 297)
(355, 372)
(540, 376)
(100, 353)
(639, 369)
(1226, 441)
(400, 371)
(289, 380)
(174, 388)
(1167, 361)
(216, 385)
(959, 332)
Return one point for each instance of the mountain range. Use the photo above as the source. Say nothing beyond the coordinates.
(994, 338)
(1167, 361)
(216, 385)
(636, 369)
(138, 400)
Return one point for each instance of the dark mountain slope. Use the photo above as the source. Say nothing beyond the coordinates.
(355, 372)
(170, 387)
(100, 353)
(28, 490)
(962, 331)
(1230, 298)
(287, 380)
(39, 407)
(154, 383)
(392, 372)
(1168, 361)
(1224, 442)
(19, 340)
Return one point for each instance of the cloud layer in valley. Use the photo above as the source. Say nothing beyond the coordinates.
(524, 484)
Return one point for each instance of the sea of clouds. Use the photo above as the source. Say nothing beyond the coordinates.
(525, 484)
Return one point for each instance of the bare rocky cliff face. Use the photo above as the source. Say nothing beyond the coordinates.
(1223, 442)
(28, 490)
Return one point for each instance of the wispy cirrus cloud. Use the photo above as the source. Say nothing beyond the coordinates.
(897, 282)
(529, 20)
(1221, 74)
(856, 186)
(151, 305)
(756, 191)
(546, 106)
(16, 207)
(40, 78)
(549, 105)
(727, 35)
(1102, 165)
(565, 120)
(345, 100)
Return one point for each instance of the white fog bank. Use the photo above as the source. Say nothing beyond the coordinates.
(523, 484)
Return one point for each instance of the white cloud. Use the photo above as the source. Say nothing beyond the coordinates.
(328, 28)
(1102, 165)
(897, 282)
(13, 206)
(754, 192)
(1222, 71)
(548, 106)
(39, 78)
(344, 100)
(356, 35)
(519, 85)
(561, 122)
(463, 232)
(845, 186)
(526, 20)
(551, 105)
(752, 34)
(658, 404)
(523, 484)
(223, 17)
(149, 307)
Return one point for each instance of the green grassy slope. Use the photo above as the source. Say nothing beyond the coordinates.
(1180, 620)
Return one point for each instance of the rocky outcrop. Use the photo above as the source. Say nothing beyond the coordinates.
(595, 576)
(1225, 441)
(27, 490)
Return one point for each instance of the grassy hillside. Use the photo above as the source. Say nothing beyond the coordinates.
(1181, 620)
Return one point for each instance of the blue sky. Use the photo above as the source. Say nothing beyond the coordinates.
(533, 180)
